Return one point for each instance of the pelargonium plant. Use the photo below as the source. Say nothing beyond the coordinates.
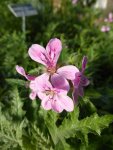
(110, 18)
(105, 29)
(74, 2)
(53, 85)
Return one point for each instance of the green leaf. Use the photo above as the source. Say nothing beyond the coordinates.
(16, 104)
(18, 82)
(72, 127)
(11, 133)
(50, 121)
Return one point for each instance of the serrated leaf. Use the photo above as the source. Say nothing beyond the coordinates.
(50, 121)
(18, 82)
(16, 104)
(80, 128)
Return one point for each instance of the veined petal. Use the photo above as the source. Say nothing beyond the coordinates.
(65, 102)
(46, 103)
(21, 71)
(60, 83)
(56, 106)
(38, 54)
(40, 83)
(32, 95)
(68, 72)
(53, 49)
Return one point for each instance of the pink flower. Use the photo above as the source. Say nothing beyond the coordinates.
(110, 18)
(74, 2)
(30, 78)
(49, 56)
(105, 28)
(80, 81)
(53, 95)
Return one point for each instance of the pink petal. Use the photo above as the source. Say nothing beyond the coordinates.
(65, 102)
(46, 103)
(75, 95)
(84, 63)
(110, 17)
(41, 95)
(76, 82)
(68, 72)
(81, 91)
(56, 106)
(40, 83)
(84, 81)
(53, 49)
(38, 54)
(74, 2)
(21, 71)
(32, 95)
(60, 83)
(77, 92)
(32, 85)
(105, 28)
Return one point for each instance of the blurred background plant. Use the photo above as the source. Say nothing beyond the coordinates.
(23, 124)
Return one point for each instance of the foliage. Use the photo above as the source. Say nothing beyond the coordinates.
(23, 123)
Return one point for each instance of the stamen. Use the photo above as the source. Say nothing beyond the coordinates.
(51, 70)
(50, 93)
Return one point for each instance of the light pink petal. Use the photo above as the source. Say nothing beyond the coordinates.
(84, 63)
(65, 102)
(105, 28)
(32, 85)
(53, 49)
(56, 105)
(46, 103)
(60, 83)
(38, 54)
(32, 95)
(21, 71)
(41, 83)
(41, 95)
(68, 72)
(110, 17)
(74, 2)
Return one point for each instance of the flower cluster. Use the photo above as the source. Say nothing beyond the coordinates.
(74, 2)
(53, 85)
(106, 28)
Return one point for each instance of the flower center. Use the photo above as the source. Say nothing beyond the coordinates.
(51, 70)
(50, 93)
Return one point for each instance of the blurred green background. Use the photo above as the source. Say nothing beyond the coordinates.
(78, 26)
